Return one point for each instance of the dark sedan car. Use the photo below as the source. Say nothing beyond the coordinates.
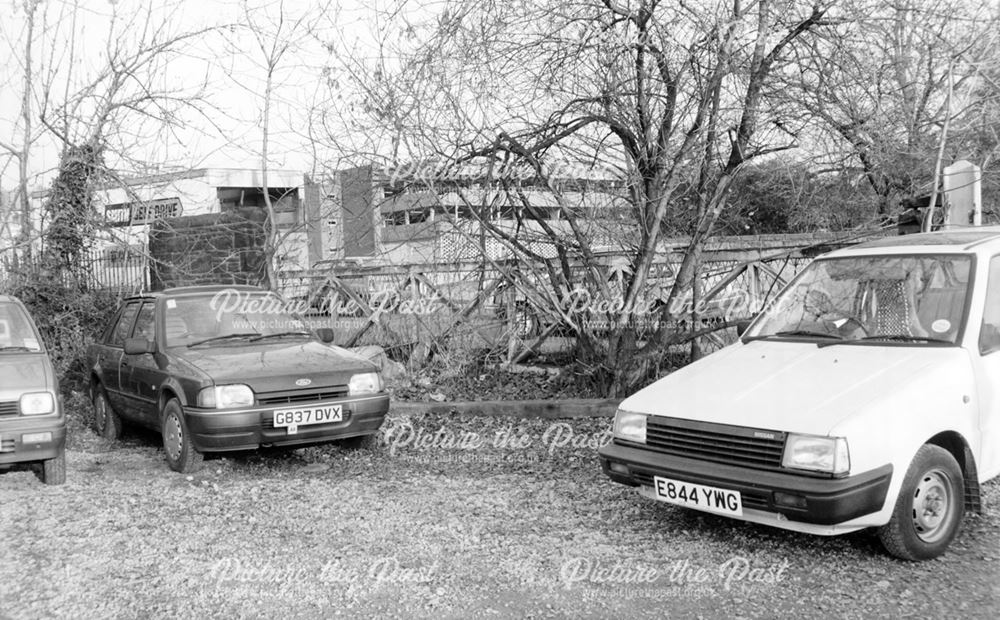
(227, 368)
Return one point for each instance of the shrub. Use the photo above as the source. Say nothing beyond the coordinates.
(68, 317)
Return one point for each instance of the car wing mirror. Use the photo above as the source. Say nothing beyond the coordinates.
(325, 334)
(139, 346)
(742, 325)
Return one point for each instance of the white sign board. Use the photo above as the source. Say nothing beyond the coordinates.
(962, 183)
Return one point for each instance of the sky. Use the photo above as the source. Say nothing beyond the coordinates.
(223, 127)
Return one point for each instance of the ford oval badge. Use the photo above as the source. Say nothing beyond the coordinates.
(303, 382)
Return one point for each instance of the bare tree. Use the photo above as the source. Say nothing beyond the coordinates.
(879, 85)
(101, 101)
(127, 96)
(276, 34)
(22, 152)
(671, 98)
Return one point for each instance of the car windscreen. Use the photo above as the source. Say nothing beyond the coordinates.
(915, 299)
(230, 316)
(16, 330)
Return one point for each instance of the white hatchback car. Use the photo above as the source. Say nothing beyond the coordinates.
(866, 395)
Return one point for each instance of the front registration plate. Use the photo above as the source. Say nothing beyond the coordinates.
(698, 496)
(292, 419)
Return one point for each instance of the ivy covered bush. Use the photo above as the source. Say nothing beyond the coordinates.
(52, 279)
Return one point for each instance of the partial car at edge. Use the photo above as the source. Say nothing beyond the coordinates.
(32, 422)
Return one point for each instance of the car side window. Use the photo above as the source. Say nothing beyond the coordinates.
(144, 322)
(989, 333)
(109, 330)
(124, 324)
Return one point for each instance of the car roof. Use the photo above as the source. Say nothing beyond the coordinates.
(952, 240)
(10, 299)
(199, 289)
(210, 288)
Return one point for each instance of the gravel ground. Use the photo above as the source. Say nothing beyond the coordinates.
(446, 517)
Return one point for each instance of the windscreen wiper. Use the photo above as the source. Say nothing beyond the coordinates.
(280, 335)
(807, 332)
(226, 337)
(907, 338)
(797, 332)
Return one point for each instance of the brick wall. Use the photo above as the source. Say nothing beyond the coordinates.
(224, 248)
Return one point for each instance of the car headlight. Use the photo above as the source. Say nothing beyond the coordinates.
(226, 396)
(630, 426)
(365, 383)
(37, 403)
(826, 454)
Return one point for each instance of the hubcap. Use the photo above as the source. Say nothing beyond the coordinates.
(173, 437)
(932, 512)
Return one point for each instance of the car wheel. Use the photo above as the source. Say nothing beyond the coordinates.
(929, 509)
(54, 470)
(180, 451)
(359, 442)
(107, 423)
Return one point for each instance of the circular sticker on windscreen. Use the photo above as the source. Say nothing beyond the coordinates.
(941, 325)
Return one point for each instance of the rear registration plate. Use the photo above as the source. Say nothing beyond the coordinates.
(292, 419)
(698, 496)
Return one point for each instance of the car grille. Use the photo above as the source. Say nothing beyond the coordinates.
(719, 443)
(301, 396)
(759, 500)
(8, 408)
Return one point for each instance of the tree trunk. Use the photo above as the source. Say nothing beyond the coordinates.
(24, 236)
(270, 224)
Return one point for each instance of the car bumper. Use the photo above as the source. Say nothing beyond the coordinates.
(827, 501)
(249, 429)
(14, 448)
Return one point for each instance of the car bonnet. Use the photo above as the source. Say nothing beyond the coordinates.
(790, 386)
(22, 372)
(275, 365)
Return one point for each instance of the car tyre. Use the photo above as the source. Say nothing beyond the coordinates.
(107, 423)
(54, 470)
(929, 509)
(177, 445)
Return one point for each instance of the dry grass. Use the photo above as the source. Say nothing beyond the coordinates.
(432, 530)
